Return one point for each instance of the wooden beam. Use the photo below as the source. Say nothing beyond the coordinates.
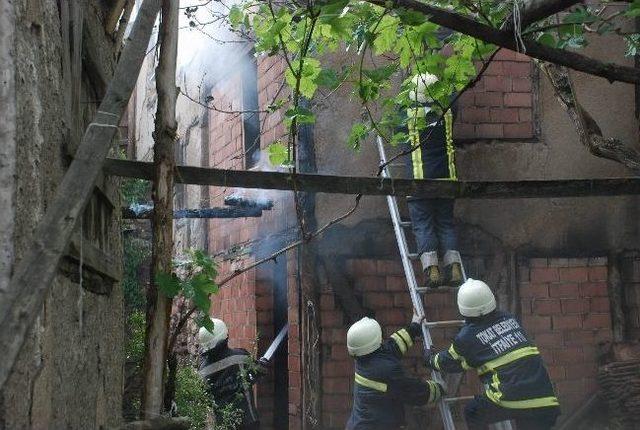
(33, 275)
(380, 187)
(232, 212)
(504, 38)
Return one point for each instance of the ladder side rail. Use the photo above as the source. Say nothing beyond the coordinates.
(416, 300)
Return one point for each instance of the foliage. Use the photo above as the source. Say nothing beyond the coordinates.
(194, 278)
(134, 347)
(135, 190)
(136, 253)
(192, 399)
(403, 43)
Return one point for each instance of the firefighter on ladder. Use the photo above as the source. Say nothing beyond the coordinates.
(508, 363)
(381, 387)
(229, 374)
(433, 158)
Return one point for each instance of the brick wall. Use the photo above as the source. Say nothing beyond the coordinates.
(501, 104)
(564, 305)
(565, 308)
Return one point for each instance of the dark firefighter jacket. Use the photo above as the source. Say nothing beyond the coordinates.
(506, 360)
(381, 387)
(228, 377)
(435, 156)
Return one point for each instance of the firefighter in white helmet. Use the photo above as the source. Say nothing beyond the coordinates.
(222, 369)
(508, 363)
(381, 387)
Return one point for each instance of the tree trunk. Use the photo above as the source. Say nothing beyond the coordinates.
(159, 305)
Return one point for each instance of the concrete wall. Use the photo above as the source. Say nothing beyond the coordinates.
(69, 372)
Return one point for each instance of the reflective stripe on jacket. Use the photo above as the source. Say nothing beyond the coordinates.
(434, 158)
(381, 387)
(506, 360)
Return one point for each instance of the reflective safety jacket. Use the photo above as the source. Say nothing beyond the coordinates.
(508, 363)
(434, 158)
(381, 387)
(228, 375)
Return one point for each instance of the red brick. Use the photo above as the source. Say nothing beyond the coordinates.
(536, 324)
(363, 267)
(564, 290)
(396, 283)
(568, 355)
(497, 83)
(597, 321)
(600, 304)
(561, 322)
(525, 114)
(573, 274)
(575, 306)
(538, 262)
(327, 302)
(521, 85)
(548, 339)
(579, 337)
(371, 283)
(489, 131)
(594, 289)
(546, 307)
(522, 130)
(495, 68)
(378, 300)
(389, 267)
(338, 368)
(598, 273)
(504, 115)
(557, 373)
(393, 317)
(339, 352)
(336, 385)
(488, 99)
(518, 99)
(543, 274)
(331, 318)
(581, 370)
(464, 131)
(525, 306)
(475, 115)
(402, 301)
(517, 68)
(505, 55)
(534, 290)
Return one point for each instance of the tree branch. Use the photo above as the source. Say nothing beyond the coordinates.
(587, 128)
(535, 10)
(463, 24)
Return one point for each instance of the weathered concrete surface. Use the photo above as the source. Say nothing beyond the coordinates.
(69, 373)
(7, 141)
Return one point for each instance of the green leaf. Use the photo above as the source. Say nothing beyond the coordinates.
(206, 322)
(387, 35)
(308, 75)
(278, 153)
(328, 78)
(201, 300)
(358, 134)
(300, 114)
(236, 16)
(410, 17)
(168, 283)
(547, 39)
(633, 10)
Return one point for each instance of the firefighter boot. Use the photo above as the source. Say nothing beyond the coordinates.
(432, 276)
(453, 269)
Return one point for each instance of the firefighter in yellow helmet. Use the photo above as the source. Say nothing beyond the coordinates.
(508, 363)
(381, 386)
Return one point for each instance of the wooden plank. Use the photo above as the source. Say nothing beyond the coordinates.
(380, 187)
(233, 212)
(95, 258)
(34, 274)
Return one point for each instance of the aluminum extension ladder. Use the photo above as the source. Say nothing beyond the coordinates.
(418, 307)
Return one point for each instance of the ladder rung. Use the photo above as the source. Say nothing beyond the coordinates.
(406, 224)
(412, 256)
(442, 289)
(449, 323)
(457, 399)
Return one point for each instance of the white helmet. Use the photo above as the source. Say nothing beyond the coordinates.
(475, 299)
(208, 340)
(364, 337)
(421, 82)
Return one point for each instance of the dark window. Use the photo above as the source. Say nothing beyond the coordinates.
(250, 116)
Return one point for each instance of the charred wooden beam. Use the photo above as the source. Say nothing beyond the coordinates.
(380, 187)
(146, 212)
(243, 202)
